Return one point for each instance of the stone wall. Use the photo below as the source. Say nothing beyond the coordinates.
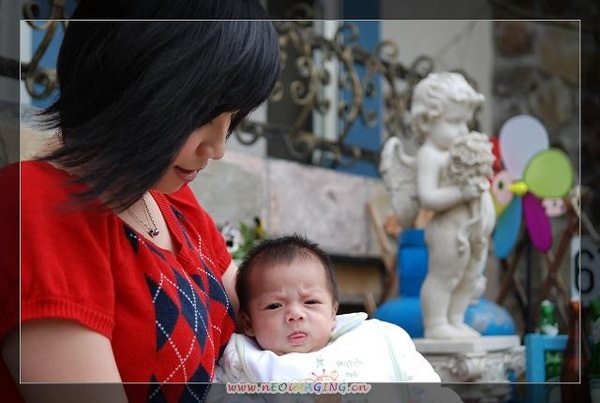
(537, 72)
(325, 205)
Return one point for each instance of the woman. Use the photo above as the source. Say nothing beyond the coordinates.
(124, 277)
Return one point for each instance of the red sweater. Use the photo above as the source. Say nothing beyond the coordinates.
(166, 314)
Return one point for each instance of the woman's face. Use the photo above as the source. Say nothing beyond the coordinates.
(204, 144)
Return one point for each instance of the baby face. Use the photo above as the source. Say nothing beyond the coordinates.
(451, 124)
(291, 308)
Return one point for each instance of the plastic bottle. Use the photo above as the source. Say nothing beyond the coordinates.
(576, 358)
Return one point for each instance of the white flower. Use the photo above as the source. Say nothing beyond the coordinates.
(471, 160)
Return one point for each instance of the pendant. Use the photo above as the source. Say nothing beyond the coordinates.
(153, 232)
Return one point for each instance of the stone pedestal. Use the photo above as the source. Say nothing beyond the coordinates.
(484, 360)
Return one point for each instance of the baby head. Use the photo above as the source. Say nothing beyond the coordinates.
(288, 295)
(436, 94)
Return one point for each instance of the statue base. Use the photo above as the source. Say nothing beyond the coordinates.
(486, 360)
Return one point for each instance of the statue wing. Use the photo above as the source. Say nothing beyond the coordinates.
(398, 171)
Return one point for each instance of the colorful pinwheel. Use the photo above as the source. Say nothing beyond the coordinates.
(533, 172)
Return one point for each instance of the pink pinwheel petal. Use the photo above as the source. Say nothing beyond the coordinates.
(537, 223)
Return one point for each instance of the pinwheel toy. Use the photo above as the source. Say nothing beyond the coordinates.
(533, 172)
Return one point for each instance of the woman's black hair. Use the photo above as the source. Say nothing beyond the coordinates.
(131, 92)
(282, 250)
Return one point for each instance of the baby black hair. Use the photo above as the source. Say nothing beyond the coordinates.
(131, 92)
(281, 250)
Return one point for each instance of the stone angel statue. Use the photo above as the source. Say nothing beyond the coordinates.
(448, 175)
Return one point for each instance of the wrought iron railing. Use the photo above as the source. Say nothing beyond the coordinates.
(312, 52)
(40, 82)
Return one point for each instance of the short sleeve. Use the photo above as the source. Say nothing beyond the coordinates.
(65, 264)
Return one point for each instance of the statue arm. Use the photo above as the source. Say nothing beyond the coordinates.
(432, 195)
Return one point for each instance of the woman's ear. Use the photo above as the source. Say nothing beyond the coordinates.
(246, 324)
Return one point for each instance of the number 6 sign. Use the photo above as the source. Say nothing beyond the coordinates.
(585, 269)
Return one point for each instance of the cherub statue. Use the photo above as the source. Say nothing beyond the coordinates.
(449, 175)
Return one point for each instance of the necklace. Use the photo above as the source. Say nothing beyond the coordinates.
(152, 231)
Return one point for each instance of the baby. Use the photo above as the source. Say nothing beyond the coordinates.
(288, 303)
